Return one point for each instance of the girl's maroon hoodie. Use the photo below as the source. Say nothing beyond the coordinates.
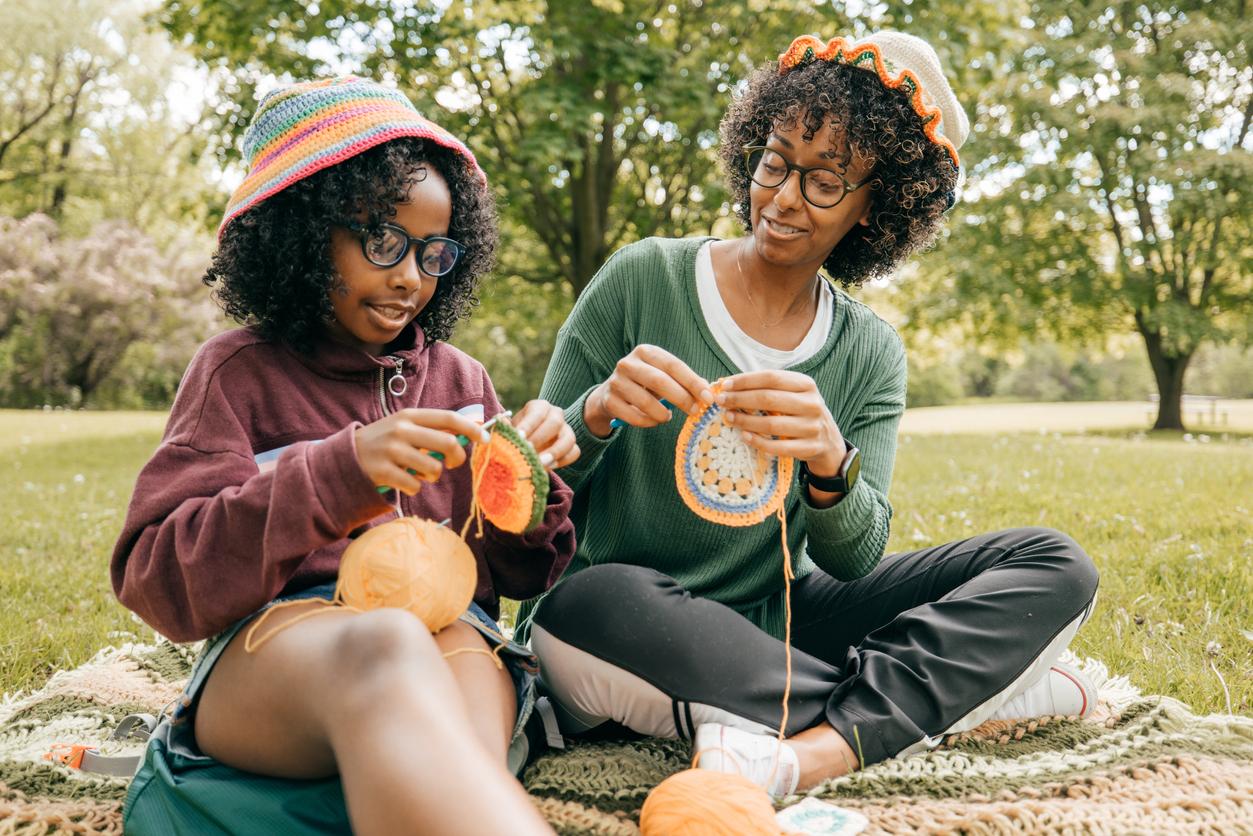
(256, 484)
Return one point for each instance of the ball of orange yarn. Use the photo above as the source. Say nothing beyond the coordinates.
(412, 564)
(700, 802)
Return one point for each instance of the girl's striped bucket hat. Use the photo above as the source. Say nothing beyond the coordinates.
(306, 127)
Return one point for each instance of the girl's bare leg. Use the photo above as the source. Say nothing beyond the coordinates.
(487, 690)
(369, 696)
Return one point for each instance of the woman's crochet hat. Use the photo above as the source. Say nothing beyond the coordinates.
(306, 127)
(902, 62)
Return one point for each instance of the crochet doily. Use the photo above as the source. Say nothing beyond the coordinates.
(721, 478)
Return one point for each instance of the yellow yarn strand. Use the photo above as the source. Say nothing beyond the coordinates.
(251, 646)
(697, 802)
(788, 576)
(494, 655)
(476, 510)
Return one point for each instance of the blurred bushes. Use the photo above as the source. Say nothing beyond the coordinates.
(107, 320)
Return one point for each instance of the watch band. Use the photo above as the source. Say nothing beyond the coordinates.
(842, 481)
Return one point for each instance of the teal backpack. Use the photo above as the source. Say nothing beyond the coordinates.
(178, 790)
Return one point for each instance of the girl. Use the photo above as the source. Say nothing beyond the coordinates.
(843, 157)
(353, 247)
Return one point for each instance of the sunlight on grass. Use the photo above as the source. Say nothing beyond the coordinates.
(24, 428)
(1230, 416)
(66, 480)
(1167, 521)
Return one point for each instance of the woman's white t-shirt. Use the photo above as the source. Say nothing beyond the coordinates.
(744, 351)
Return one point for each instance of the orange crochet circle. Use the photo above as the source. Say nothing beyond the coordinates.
(512, 487)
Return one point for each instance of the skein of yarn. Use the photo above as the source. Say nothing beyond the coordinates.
(698, 802)
(413, 564)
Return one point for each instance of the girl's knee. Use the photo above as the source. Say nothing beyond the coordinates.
(459, 635)
(381, 643)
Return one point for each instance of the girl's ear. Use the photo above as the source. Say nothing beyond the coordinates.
(864, 220)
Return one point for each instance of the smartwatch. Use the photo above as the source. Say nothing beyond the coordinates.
(843, 481)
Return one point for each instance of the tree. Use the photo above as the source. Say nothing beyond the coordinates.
(1110, 191)
(88, 92)
(596, 120)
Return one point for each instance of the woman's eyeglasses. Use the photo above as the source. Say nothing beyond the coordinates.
(822, 187)
(386, 245)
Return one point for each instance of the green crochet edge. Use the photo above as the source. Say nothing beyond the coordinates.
(539, 475)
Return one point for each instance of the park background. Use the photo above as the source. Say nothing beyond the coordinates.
(1097, 267)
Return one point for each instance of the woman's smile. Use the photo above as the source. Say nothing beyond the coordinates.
(780, 230)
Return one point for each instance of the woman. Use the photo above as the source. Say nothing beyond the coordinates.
(842, 157)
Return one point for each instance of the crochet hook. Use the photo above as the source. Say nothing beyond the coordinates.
(614, 423)
(461, 439)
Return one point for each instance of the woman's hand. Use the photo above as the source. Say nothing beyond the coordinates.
(801, 426)
(544, 425)
(634, 391)
(392, 447)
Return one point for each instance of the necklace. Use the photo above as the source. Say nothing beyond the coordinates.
(739, 267)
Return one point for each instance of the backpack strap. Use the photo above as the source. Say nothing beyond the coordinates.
(88, 758)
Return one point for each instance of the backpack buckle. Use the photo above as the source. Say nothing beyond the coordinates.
(69, 754)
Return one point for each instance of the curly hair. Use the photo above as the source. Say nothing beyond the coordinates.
(913, 179)
(273, 264)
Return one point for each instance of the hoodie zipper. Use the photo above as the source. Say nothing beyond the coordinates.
(396, 384)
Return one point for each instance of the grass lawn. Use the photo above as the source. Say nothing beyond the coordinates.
(1168, 521)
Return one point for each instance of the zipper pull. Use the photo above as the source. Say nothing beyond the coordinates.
(396, 384)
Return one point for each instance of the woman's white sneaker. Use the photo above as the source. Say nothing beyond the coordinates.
(1063, 691)
(760, 758)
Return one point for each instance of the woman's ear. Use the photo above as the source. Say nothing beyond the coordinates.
(864, 220)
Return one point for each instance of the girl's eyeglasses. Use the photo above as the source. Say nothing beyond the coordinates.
(386, 245)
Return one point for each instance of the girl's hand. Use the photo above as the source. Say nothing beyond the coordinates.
(390, 447)
(634, 391)
(544, 425)
(802, 426)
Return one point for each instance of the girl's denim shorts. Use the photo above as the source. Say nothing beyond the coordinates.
(518, 660)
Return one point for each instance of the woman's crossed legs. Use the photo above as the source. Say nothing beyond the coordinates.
(931, 642)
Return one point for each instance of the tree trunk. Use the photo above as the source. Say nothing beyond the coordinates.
(1168, 371)
(63, 158)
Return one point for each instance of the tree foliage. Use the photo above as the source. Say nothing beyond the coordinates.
(92, 118)
(1111, 186)
(593, 120)
(596, 120)
(1107, 165)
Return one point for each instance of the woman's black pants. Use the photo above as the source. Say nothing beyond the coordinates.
(930, 643)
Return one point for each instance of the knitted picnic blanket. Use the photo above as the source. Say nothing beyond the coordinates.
(1141, 764)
